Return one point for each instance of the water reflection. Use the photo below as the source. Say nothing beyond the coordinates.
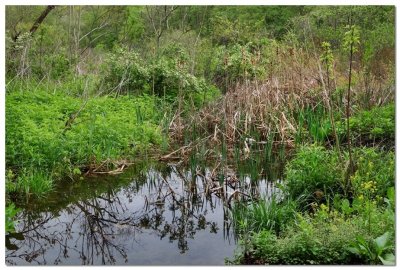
(160, 217)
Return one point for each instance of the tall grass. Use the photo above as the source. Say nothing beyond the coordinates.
(35, 183)
(265, 214)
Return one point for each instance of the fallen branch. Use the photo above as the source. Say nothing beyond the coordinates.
(170, 155)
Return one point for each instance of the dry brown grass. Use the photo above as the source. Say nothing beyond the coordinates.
(269, 105)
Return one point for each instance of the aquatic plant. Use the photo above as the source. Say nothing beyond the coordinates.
(264, 214)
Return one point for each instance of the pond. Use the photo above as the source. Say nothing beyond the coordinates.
(158, 215)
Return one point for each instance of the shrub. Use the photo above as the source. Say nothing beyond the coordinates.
(124, 71)
(58, 65)
(369, 126)
(169, 78)
(375, 173)
(237, 63)
(313, 169)
(315, 172)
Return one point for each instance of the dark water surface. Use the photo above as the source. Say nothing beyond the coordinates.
(141, 217)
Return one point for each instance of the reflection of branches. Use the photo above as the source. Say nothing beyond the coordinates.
(101, 219)
(188, 214)
(175, 205)
(97, 220)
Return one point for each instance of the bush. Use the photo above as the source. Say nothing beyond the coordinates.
(167, 76)
(312, 172)
(58, 66)
(124, 71)
(375, 173)
(315, 174)
(237, 63)
(369, 126)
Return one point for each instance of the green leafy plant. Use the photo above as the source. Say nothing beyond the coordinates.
(123, 71)
(376, 251)
(377, 124)
(41, 151)
(350, 42)
(375, 173)
(311, 172)
(11, 212)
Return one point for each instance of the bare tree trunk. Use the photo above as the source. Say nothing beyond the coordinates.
(77, 33)
(69, 33)
(161, 23)
(37, 23)
(39, 20)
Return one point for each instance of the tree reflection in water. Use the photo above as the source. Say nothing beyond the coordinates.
(100, 230)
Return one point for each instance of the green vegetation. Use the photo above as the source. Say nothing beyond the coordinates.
(272, 215)
(375, 125)
(11, 212)
(327, 237)
(325, 224)
(312, 171)
(49, 136)
(304, 94)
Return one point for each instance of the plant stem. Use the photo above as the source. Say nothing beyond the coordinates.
(348, 110)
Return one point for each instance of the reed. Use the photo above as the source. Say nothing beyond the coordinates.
(264, 214)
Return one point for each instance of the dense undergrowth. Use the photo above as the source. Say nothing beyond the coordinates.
(130, 87)
(322, 218)
(53, 135)
(372, 127)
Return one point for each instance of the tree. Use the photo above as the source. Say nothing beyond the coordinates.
(158, 19)
(37, 22)
(351, 40)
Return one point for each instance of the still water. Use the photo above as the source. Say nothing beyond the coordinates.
(153, 216)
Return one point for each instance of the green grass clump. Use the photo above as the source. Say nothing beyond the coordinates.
(264, 214)
(314, 125)
(41, 146)
(34, 182)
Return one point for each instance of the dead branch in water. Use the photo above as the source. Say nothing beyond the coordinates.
(171, 155)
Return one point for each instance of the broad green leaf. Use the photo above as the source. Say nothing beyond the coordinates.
(389, 259)
(354, 250)
(382, 240)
